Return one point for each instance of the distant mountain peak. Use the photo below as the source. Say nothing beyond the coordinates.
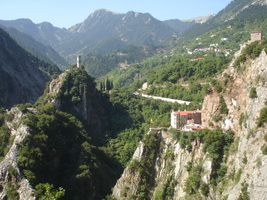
(261, 2)
(105, 29)
(23, 20)
(137, 14)
(47, 25)
(200, 20)
(101, 12)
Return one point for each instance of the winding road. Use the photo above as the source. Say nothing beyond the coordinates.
(165, 99)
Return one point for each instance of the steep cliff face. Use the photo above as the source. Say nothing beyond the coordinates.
(189, 173)
(169, 170)
(10, 175)
(138, 178)
(244, 109)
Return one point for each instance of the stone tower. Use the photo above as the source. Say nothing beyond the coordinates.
(79, 61)
(256, 36)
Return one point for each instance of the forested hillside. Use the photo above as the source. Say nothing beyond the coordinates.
(77, 151)
(235, 26)
(201, 52)
(100, 65)
(223, 160)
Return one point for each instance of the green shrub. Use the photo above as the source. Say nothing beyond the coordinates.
(217, 85)
(242, 120)
(252, 51)
(253, 93)
(12, 192)
(24, 107)
(221, 172)
(2, 110)
(263, 117)
(211, 124)
(234, 146)
(264, 149)
(189, 166)
(245, 159)
(238, 175)
(8, 117)
(258, 162)
(12, 186)
(217, 118)
(244, 195)
(241, 59)
(54, 76)
(158, 195)
(193, 182)
(5, 138)
(217, 144)
(223, 106)
(189, 147)
(134, 165)
(204, 188)
(168, 188)
(45, 191)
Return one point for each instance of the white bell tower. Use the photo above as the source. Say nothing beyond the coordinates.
(79, 61)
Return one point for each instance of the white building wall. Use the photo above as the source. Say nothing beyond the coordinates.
(79, 61)
(173, 120)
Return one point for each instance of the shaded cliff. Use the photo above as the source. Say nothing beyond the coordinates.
(38, 49)
(23, 76)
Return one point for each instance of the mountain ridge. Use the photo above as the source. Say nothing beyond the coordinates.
(102, 29)
(38, 49)
(21, 73)
(200, 20)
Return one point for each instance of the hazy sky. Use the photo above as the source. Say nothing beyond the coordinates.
(65, 13)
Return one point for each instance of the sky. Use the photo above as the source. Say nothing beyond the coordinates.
(66, 13)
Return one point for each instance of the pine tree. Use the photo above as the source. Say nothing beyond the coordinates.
(107, 85)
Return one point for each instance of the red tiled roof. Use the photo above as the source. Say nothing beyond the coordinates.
(197, 128)
(184, 112)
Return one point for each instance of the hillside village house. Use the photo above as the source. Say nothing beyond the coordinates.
(186, 120)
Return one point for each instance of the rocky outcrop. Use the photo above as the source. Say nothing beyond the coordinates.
(9, 171)
(135, 181)
(173, 161)
(242, 116)
(74, 91)
(127, 185)
(169, 166)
